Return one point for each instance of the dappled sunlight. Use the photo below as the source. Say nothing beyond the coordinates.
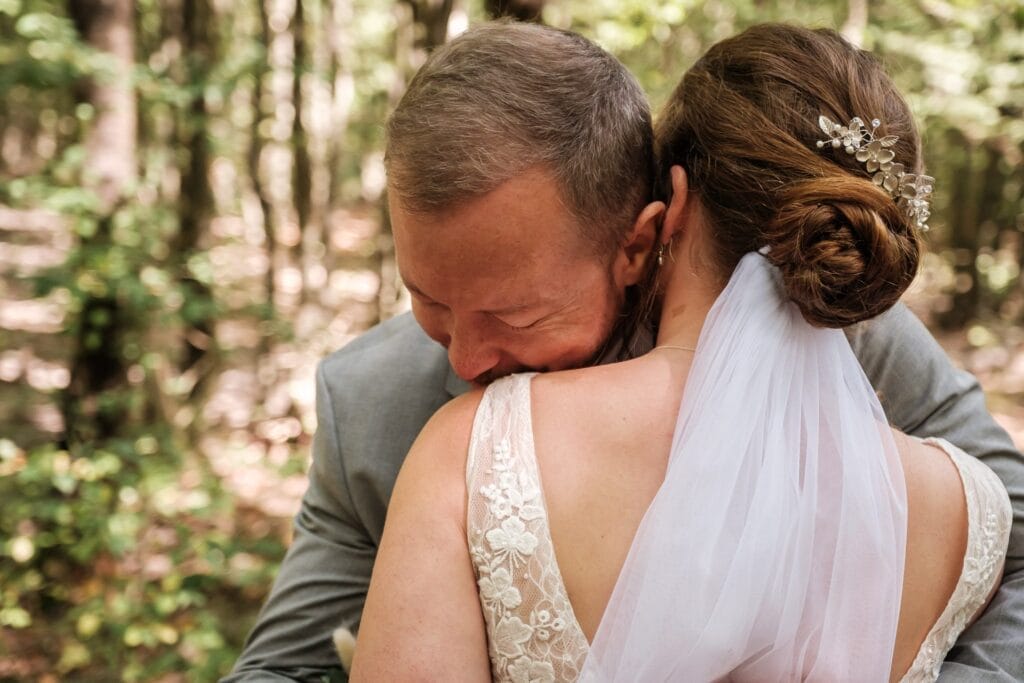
(184, 238)
(26, 259)
(362, 286)
(252, 470)
(45, 376)
(353, 232)
(37, 316)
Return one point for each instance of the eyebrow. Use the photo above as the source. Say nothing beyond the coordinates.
(509, 310)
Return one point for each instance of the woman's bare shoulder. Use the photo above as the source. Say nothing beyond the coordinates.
(936, 503)
(446, 434)
(933, 480)
(435, 468)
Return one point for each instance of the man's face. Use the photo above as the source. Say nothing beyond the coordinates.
(505, 282)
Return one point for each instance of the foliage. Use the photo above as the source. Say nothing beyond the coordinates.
(962, 67)
(134, 542)
(120, 545)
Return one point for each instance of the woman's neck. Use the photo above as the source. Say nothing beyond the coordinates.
(693, 286)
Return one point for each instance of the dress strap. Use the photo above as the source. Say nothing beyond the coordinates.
(503, 409)
(532, 632)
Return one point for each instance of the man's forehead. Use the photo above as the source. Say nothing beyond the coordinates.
(530, 198)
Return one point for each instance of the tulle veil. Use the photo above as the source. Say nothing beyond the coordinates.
(774, 549)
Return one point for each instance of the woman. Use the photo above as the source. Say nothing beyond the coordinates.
(731, 505)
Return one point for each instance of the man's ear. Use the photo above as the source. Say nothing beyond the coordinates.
(631, 258)
(676, 210)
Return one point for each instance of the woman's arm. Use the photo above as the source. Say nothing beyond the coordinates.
(422, 619)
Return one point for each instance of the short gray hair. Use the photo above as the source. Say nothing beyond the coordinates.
(505, 97)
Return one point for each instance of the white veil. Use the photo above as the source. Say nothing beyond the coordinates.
(774, 549)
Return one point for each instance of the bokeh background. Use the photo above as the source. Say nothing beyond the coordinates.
(191, 216)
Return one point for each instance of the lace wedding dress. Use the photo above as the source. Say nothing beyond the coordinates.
(533, 635)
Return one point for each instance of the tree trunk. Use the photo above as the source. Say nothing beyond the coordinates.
(342, 90)
(108, 26)
(301, 163)
(318, 77)
(963, 234)
(992, 214)
(195, 203)
(283, 152)
(255, 155)
(96, 362)
(421, 26)
(429, 25)
(520, 10)
(856, 22)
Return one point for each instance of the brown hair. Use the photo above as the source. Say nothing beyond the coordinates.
(743, 122)
(504, 97)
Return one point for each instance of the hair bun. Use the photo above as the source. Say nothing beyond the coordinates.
(846, 251)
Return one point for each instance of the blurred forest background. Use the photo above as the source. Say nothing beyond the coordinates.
(191, 216)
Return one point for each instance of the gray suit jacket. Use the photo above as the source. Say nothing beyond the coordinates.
(374, 396)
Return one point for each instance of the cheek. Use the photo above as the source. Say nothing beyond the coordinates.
(597, 318)
(570, 344)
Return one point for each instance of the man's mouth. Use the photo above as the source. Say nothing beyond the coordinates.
(486, 378)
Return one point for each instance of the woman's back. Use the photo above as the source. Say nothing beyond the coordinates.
(602, 438)
(602, 457)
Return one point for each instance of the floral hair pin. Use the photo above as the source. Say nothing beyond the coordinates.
(911, 191)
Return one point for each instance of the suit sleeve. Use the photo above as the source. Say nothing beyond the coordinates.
(924, 395)
(323, 580)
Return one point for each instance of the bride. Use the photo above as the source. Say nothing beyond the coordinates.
(732, 505)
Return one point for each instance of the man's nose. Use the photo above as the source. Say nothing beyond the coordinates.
(470, 353)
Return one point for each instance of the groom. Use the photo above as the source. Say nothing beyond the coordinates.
(517, 160)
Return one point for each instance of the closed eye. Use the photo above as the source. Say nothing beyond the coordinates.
(519, 325)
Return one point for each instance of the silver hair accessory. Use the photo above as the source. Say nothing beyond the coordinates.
(911, 191)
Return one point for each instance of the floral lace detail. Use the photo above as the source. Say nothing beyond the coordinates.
(532, 633)
(989, 517)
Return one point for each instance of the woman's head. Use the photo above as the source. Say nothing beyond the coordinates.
(744, 125)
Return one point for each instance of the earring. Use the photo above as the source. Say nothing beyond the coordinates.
(661, 254)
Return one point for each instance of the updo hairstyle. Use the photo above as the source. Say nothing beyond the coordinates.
(743, 122)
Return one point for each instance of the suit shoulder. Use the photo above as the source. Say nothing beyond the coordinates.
(397, 343)
(399, 334)
(393, 358)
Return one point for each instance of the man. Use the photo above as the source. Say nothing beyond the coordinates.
(519, 162)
